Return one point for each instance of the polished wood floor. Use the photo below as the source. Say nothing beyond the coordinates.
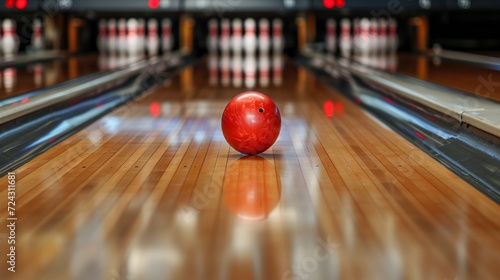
(153, 191)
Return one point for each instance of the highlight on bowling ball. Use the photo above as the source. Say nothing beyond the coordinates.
(251, 122)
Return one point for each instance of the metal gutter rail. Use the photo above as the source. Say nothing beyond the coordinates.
(465, 108)
(433, 118)
(27, 137)
(12, 61)
(481, 60)
(66, 91)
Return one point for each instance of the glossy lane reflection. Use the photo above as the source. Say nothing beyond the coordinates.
(251, 188)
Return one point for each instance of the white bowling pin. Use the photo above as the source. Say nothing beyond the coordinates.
(37, 38)
(250, 71)
(393, 37)
(153, 42)
(237, 69)
(278, 41)
(213, 34)
(264, 65)
(331, 35)
(373, 36)
(112, 41)
(264, 40)
(167, 40)
(225, 39)
(225, 66)
(277, 69)
(213, 69)
(382, 39)
(133, 39)
(236, 38)
(250, 40)
(102, 39)
(141, 33)
(364, 37)
(122, 36)
(356, 35)
(10, 41)
(345, 37)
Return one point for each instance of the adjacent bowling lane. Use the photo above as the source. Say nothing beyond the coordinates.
(153, 191)
(479, 81)
(19, 80)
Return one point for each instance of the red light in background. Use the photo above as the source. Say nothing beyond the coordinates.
(21, 4)
(357, 100)
(9, 4)
(328, 108)
(154, 109)
(26, 99)
(329, 3)
(154, 4)
(340, 3)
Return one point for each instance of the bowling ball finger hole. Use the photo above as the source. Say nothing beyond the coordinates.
(261, 110)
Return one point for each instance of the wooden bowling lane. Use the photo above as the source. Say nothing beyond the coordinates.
(153, 191)
(477, 80)
(26, 78)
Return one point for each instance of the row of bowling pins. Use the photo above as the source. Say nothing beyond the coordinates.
(237, 41)
(128, 36)
(368, 36)
(9, 41)
(245, 69)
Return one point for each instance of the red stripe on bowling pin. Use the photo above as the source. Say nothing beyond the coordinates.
(277, 31)
(264, 31)
(103, 30)
(141, 29)
(249, 28)
(111, 28)
(392, 28)
(37, 31)
(166, 30)
(122, 31)
(357, 29)
(331, 30)
(237, 31)
(213, 32)
(225, 29)
(346, 29)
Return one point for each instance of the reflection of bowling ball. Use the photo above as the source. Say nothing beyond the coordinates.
(251, 122)
(251, 187)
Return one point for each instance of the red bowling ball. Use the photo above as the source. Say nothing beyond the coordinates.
(251, 122)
